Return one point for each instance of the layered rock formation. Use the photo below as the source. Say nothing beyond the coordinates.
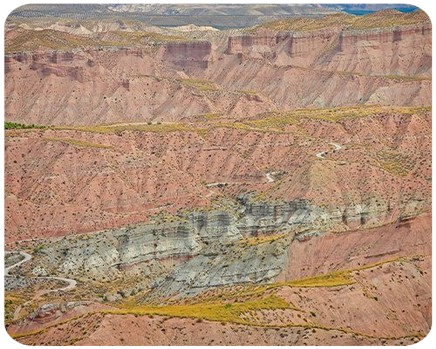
(286, 69)
(372, 65)
(119, 85)
(171, 258)
(369, 52)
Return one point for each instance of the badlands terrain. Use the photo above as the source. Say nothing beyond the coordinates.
(190, 184)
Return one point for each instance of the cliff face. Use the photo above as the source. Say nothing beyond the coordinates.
(189, 55)
(127, 85)
(369, 51)
(172, 258)
(176, 80)
(331, 67)
(386, 52)
(283, 48)
(358, 66)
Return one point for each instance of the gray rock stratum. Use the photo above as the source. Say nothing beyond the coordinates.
(187, 254)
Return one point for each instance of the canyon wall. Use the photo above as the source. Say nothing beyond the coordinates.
(188, 55)
(325, 68)
(176, 80)
(401, 50)
(122, 85)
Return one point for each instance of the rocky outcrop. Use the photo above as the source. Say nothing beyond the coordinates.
(173, 257)
(51, 311)
(301, 215)
(343, 49)
(188, 55)
(203, 250)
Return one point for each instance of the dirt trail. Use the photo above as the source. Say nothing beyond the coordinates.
(27, 257)
(321, 154)
(269, 176)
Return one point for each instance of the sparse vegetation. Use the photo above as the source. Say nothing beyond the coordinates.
(17, 126)
(406, 78)
(209, 202)
(78, 143)
(382, 19)
(207, 311)
(394, 162)
(279, 120)
(133, 38)
(38, 248)
(11, 303)
(248, 92)
(200, 84)
(336, 278)
(307, 23)
(340, 278)
(28, 40)
(274, 120)
(146, 127)
(253, 241)
(264, 122)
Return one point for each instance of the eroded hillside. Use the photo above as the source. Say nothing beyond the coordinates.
(344, 163)
(199, 186)
(117, 72)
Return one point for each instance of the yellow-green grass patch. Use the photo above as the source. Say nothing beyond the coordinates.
(77, 142)
(257, 240)
(12, 301)
(224, 312)
(200, 84)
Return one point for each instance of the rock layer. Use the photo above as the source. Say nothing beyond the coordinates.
(170, 81)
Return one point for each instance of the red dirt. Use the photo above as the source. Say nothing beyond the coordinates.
(55, 188)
